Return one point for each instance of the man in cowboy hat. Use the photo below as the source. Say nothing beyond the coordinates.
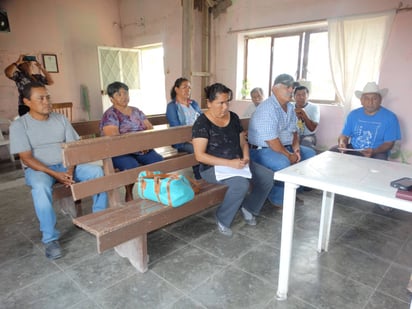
(372, 129)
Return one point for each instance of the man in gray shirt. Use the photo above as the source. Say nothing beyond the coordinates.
(37, 138)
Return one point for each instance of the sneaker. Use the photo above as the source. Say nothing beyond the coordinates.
(224, 230)
(53, 250)
(248, 216)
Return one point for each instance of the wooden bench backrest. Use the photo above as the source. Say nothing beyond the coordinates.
(91, 128)
(104, 148)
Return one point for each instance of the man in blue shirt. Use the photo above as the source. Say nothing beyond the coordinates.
(273, 134)
(372, 129)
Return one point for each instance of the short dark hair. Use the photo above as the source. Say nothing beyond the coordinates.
(115, 87)
(26, 92)
(212, 90)
(178, 83)
(300, 88)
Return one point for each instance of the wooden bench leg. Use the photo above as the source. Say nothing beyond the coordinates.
(136, 251)
(78, 206)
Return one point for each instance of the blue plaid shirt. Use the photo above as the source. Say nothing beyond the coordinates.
(270, 121)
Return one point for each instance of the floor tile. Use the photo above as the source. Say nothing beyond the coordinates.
(395, 281)
(14, 245)
(138, 291)
(234, 288)
(54, 291)
(161, 243)
(382, 301)
(188, 267)
(98, 272)
(370, 241)
(21, 272)
(324, 288)
(228, 248)
(191, 228)
(291, 303)
(186, 302)
(355, 264)
(387, 226)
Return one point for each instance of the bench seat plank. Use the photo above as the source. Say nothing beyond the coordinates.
(117, 225)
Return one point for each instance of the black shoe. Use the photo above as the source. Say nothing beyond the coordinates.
(53, 250)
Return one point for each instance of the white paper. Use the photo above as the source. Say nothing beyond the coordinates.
(350, 149)
(224, 172)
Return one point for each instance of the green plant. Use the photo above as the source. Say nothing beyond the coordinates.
(245, 89)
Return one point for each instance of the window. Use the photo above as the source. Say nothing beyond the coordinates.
(302, 54)
(141, 69)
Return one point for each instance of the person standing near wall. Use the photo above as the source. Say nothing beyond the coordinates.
(22, 73)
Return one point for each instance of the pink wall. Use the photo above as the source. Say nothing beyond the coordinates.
(396, 66)
(70, 29)
(163, 26)
(74, 29)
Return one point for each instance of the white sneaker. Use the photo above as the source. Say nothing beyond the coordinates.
(224, 230)
(248, 216)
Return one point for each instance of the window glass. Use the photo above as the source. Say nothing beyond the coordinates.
(318, 69)
(258, 64)
(303, 55)
(285, 56)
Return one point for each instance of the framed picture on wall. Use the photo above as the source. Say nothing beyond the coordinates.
(50, 63)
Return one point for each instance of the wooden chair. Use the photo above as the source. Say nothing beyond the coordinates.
(64, 108)
(4, 142)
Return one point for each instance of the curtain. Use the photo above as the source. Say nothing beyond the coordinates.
(356, 47)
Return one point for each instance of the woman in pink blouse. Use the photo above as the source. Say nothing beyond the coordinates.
(121, 118)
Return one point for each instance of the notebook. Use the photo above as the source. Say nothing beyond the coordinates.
(405, 195)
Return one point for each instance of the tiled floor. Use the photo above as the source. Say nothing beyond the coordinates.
(193, 266)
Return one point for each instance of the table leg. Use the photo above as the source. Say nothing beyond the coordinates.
(286, 239)
(328, 200)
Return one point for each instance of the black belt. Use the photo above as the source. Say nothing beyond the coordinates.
(251, 146)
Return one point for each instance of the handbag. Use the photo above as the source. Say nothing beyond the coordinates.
(169, 189)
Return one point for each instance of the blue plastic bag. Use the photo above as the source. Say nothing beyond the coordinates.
(169, 189)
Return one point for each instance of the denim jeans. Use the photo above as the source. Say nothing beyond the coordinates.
(276, 162)
(41, 190)
(131, 160)
(237, 193)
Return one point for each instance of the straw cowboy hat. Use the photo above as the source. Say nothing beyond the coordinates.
(371, 87)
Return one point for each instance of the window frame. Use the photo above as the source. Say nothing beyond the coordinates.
(303, 52)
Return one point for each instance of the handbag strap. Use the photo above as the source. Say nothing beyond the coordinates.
(150, 175)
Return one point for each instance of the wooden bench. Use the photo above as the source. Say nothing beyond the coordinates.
(124, 226)
(90, 129)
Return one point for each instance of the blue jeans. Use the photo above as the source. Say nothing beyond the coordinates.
(188, 147)
(237, 193)
(276, 162)
(41, 190)
(133, 160)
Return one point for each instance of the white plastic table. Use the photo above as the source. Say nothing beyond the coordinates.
(335, 173)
